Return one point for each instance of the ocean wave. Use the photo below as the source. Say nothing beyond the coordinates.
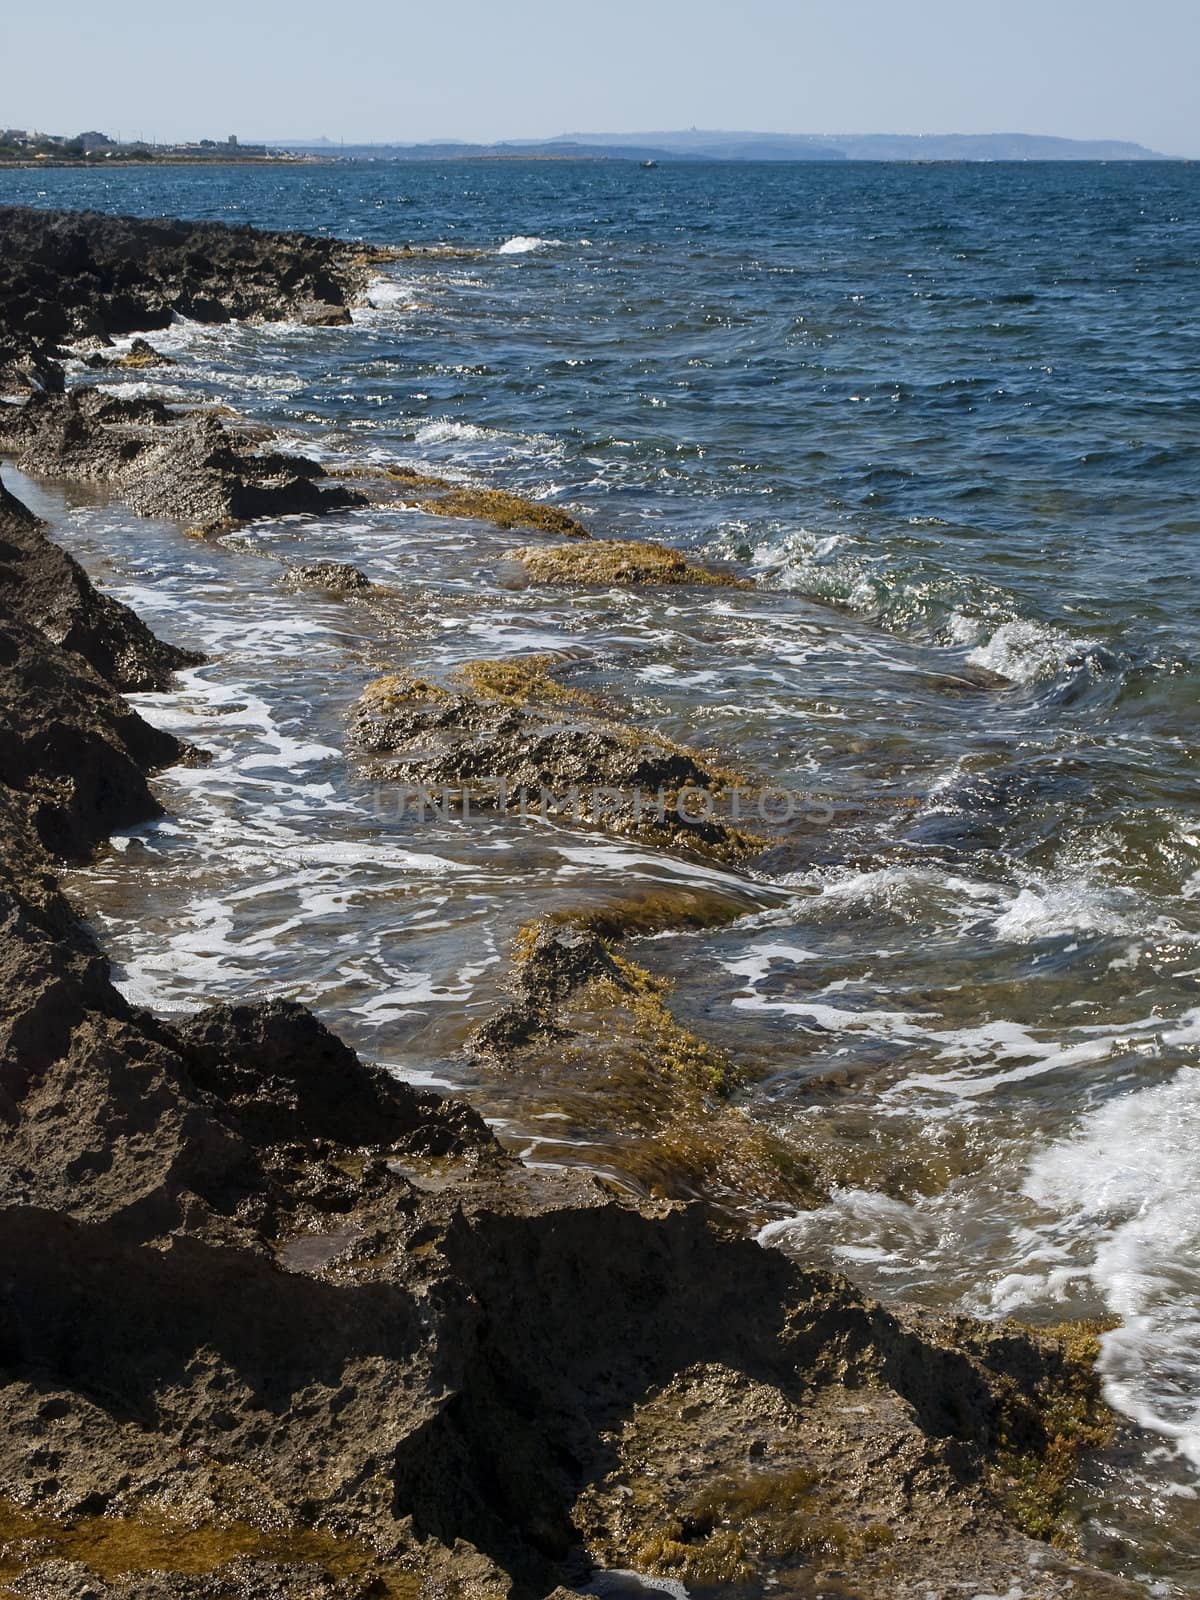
(1029, 652)
(1127, 1187)
(395, 294)
(922, 600)
(1050, 909)
(525, 244)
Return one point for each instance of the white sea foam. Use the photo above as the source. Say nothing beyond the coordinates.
(391, 294)
(1075, 905)
(443, 431)
(1026, 651)
(525, 244)
(1126, 1187)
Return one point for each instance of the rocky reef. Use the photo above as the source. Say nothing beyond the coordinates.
(622, 561)
(275, 1325)
(510, 734)
(193, 467)
(70, 275)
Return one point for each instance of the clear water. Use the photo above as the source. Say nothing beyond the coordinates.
(948, 415)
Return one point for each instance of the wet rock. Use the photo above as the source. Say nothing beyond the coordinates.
(142, 354)
(589, 1039)
(40, 582)
(620, 561)
(192, 468)
(503, 509)
(512, 736)
(472, 502)
(336, 576)
(67, 275)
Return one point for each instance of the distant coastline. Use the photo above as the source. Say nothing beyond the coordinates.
(24, 149)
(696, 145)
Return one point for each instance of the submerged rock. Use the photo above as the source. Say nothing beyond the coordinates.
(504, 509)
(444, 498)
(513, 738)
(589, 1039)
(621, 561)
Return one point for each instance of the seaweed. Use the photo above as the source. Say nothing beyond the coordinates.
(620, 561)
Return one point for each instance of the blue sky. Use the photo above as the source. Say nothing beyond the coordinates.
(534, 68)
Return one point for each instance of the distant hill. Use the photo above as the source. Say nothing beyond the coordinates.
(715, 146)
(699, 145)
(513, 150)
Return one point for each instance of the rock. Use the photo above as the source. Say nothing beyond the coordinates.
(553, 748)
(317, 314)
(191, 468)
(589, 1037)
(47, 587)
(406, 486)
(66, 275)
(620, 561)
(336, 576)
(288, 1078)
(500, 507)
(74, 751)
(141, 354)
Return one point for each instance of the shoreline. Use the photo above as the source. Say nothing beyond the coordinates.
(270, 1168)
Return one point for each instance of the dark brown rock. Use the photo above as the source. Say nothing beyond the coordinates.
(336, 576)
(44, 585)
(192, 468)
(67, 275)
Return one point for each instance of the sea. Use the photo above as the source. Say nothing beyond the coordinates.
(948, 416)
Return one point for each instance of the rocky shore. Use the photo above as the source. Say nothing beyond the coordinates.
(275, 1324)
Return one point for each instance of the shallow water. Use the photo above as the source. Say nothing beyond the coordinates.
(949, 417)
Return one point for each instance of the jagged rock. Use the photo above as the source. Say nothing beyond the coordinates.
(287, 1078)
(336, 576)
(141, 353)
(67, 275)
(47, 587)
(70, 746)
(192, 468)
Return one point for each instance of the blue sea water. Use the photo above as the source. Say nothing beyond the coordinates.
(950, 417)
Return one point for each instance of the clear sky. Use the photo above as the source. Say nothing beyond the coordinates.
(500, 69)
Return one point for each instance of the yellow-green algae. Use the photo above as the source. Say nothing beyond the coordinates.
(447, 498)
(1036, 1482)
(619, 1067)
(622, 561)
(117, 1547)
(505, 510)
(520, 680)
(726, 1531)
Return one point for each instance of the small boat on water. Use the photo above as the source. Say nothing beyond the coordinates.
(647, 164)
